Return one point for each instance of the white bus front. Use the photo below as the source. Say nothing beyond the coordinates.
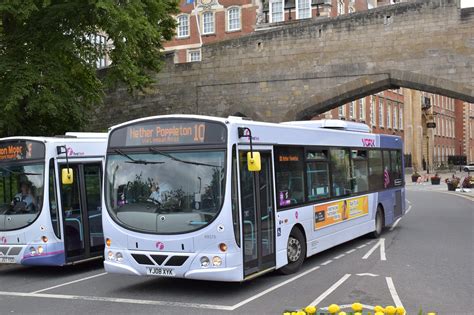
(168, 213)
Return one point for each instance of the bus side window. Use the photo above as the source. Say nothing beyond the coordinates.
(359, 167)
(317, 174)
(340, 172)
(375, 170)
(289, 168)
(387, 170)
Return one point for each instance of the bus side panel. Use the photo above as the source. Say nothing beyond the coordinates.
(388, 200)
(324, 238)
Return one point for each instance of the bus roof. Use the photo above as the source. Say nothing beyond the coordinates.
(331, 124)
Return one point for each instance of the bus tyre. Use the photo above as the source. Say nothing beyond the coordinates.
(379, 223)
(296, 251)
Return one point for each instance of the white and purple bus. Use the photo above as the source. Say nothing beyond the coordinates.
(228, 199)
(50, 199)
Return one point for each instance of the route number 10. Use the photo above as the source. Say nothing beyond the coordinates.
(199, 132)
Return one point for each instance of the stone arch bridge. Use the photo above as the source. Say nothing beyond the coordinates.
(311, 66)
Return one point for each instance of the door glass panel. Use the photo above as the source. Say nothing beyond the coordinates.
(248, 201)
(257, 215)
(72, 213)
(266, 211)
(53, 203)
(92, 179)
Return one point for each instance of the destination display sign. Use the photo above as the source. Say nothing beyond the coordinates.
(169, 132)
(21, 150)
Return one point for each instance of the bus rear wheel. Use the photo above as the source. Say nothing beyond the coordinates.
(379, 223)
(296, 251)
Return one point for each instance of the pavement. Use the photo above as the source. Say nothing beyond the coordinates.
(426, 185)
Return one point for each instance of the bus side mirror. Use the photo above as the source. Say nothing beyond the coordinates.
(67, 176)
(253, 162)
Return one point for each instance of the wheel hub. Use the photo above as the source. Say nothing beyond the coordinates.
(294, 249)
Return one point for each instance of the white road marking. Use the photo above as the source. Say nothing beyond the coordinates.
(393, 292)
(68, 283)
(381, 244)
(117, 300)
(340, 256)
(351, 251)
(273, 288)
(395, 224)
(361, 246)
(409, 202)
(326, 262)
(408, 210)
(367, 274)
(330, 290)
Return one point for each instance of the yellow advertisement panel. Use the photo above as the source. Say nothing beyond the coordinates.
(339, 211)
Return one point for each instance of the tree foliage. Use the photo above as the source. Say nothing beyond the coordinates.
(48, 76)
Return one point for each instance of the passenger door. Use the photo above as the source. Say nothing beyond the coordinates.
(258, 214)
(82, 212)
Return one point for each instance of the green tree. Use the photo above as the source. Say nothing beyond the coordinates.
(48, 76)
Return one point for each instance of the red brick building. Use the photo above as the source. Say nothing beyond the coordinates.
(205, 21)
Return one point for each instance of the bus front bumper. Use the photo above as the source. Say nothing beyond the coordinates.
(221, 274)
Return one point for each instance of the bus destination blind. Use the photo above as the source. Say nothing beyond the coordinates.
(21, 150)
(170, 133)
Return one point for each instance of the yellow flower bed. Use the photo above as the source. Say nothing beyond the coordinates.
(357, 309)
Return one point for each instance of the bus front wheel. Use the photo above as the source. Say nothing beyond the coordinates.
(379, 223)
(296, 251)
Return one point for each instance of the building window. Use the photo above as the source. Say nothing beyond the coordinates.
(194, 55)
(342, 111)
(208, 23)
(340, 7)
(100, 41)
(233, 19)
(372, 111)
(395, 118)
(381, 123)
(183, 26)
(389, 115)
(400, 118)
(362, 109)
(303, 9)
(276, 11)
(351, 110)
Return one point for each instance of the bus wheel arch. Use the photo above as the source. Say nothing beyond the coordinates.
(379, 221)
(296, 250)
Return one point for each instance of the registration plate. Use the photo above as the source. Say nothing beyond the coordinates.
(154, 271)
(7, 260)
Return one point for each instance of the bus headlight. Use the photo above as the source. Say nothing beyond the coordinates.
(40, 250)
(216, 261)
(110, 255)
(204, 262)
(32, 251)
(119, 257)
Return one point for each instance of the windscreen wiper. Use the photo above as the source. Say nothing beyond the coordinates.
(154, 150)
(132, 160)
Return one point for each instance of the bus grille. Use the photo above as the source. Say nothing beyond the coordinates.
(142, 259)
(159, 259)
(13, 251)
(176, 261)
